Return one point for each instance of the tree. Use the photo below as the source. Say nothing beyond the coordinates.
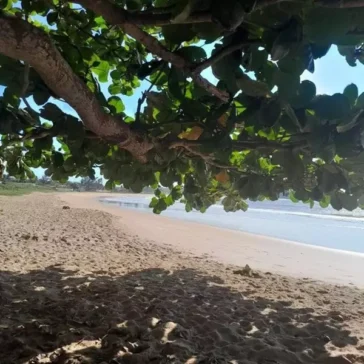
(89, 184)
(44, 180)
(255, 133)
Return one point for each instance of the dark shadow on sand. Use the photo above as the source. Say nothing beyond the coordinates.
(44, 310)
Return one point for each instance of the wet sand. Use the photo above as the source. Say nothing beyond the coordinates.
(86, 283)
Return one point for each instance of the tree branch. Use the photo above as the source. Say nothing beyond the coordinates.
(260, 4)
(222, 53)
(115, 15)
(25, 88)
(23, 41)
(240, 145)
(146, 18)
(190, 146)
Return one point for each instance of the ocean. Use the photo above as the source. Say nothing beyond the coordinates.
(282, 219)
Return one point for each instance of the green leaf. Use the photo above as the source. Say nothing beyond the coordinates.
(193, 53)
(116, 75)
(176, 83)
(194, 108)
(116, 103)
(319, 50)
(115, 88)
(287, 41)
(41, 96)
(178, 33)
(269, 112)
(361, 202)
(331, 107)
(52, 17)
(147, 69)
(227, 69)
(109, 185)
(351, 92)
(286, 83)
(102, 71)
(325, 202)
(207, 31)
(228, 13)
(133, 5)
(57, 159)
(360, 101)
(349, 202)
(306, 92)
(51, 112)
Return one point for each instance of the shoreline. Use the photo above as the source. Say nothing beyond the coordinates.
(238, 248)
(273, 238)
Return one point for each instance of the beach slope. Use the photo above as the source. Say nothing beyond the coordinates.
(82, 283)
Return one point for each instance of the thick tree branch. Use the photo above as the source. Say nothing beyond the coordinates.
(115, 15)
(21, 40)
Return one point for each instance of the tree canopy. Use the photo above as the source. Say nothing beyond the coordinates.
(222, 114)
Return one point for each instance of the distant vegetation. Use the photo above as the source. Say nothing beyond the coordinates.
(10, 186)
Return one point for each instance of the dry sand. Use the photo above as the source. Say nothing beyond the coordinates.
(86, 286)
(234, 247)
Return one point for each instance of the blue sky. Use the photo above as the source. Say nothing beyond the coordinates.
(332, 74)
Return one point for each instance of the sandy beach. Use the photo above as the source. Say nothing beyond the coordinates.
(82, 282)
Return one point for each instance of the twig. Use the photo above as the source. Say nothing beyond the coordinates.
(181, 122)
(241, 145)
(25, 89)
(253, 144)
(222, 53)
(207, 158)
(39, 135)
(144, 96)
(25, 80)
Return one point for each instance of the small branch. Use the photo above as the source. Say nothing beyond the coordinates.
(240, 145)
(25, 80)
(253, 144)
(162, 10)
(222, 53)
(117, 16)
(39, 134)
(42, 133)
(210, 88)
(144, 96)
(207, 158)
(181, 122)
(25, 89)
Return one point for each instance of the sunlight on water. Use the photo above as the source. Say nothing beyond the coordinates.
(281, 219)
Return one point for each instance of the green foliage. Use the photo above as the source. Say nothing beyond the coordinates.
(273, 134)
